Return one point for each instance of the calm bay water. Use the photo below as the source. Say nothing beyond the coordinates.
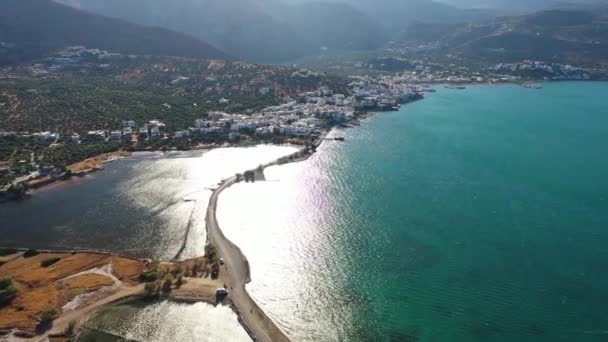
(140, 205)
(165, 321)
(476, 215)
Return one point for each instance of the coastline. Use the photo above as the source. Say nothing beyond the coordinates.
(120, 272)
(255, 321)
(96, 163)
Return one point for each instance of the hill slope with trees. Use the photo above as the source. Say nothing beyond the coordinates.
(30, 29)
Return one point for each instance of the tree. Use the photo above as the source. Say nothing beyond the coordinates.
(17, 191)
(71, 328)
(48, 314)
(151, 288)
(7, 291)
(180, 281)
(30, 253)
(167, 283)
(49, 262)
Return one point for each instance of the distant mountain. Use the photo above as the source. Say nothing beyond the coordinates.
(32, 28)
(239, 27)
(526, 5)
(257, 30)
(334, 25)
(396, 15)
(573, 36)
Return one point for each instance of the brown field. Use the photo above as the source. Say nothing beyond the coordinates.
(40, 288)
(197, 289)
(96, 162)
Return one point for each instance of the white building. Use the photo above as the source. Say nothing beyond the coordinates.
(154, 133)
(182, 134)
(41, 136)
(115, 136)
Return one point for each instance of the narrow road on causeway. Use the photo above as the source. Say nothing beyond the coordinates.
(259, 326)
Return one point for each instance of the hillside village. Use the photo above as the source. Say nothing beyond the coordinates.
(33, 159)
(303, 120)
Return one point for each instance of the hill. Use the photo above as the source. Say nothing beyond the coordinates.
(33, 28)
(263, 31)
(396, 15)
(571, 36)
(526, 5)
(334, 26)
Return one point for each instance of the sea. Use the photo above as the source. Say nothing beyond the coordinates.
(472, 215)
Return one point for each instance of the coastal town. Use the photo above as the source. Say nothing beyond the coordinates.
(299, 119)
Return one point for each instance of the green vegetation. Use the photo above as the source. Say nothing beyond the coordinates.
(87, 98)
(214, 260)
(561, 36)
(211, 253)
(67, 154)
(7, 251)
(179, 281)
(30, 253)
(71, 331)
(151, 289)
(149, 276)
(167, 283)
(49, 314)
(8, 291)
(16, 191)
(49, 262)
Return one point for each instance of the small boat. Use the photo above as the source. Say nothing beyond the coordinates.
(339, 139)
(533, 86)
(454, 86)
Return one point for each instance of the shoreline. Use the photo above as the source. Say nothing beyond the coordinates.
(253, 319)
(122, 154)
(96, 163)
(70, 321)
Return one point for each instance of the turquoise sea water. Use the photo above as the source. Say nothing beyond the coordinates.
(475, 215)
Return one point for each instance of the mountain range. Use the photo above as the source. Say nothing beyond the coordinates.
(280, 31)
(526, 5)
(283, 30)
(31, 29)
(573, 36)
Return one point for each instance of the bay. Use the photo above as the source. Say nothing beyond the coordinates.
(475, 215)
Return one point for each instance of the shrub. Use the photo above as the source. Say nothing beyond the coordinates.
(150, 288)
(148, 276)
(179, 282)
(211, 253)
(7, 291)
(7, 251)
(167, 283)
(71, 328)
(30, 253)
(49, 262)
(48, 314)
